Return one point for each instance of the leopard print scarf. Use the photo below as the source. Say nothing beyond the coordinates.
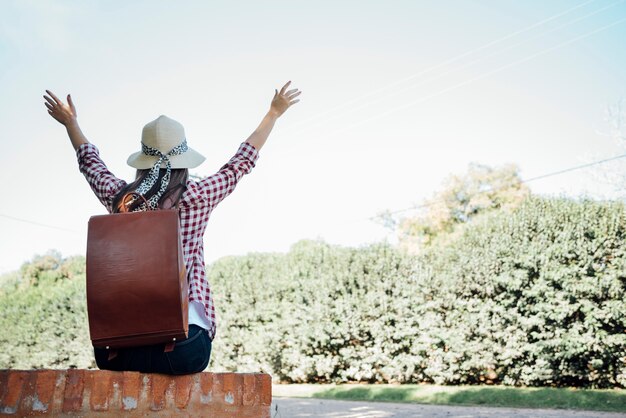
(153, 175)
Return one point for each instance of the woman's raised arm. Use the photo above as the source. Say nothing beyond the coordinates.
(280, 103)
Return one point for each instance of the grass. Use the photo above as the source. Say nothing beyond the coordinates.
(504, 396)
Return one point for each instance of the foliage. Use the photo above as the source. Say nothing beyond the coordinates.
(463, 198)
(540, 295)
(43, 315)
(534, 297)
(318, 313)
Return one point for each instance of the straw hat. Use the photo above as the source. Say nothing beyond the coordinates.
(164, 134)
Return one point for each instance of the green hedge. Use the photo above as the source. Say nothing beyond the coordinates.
(533, 297)
(318, 313)
(43, 315)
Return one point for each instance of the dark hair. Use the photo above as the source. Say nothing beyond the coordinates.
(175, 188)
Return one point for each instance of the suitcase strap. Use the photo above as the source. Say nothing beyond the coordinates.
(169, 347)
(112, 354)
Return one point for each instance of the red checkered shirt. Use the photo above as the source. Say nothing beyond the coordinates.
(196, 205)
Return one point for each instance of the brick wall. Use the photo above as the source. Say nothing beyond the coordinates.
(103, 393)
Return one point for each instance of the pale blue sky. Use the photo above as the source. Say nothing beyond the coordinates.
(512, 83)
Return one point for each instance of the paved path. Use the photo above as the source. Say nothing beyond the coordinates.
(323, 408)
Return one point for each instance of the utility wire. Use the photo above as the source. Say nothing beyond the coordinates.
(348, 222)
(372, 218)
(556, 173)
(37, 223)
(452, 70)
(448, 61)
(446, 90)
(543, 176)
(471, 80)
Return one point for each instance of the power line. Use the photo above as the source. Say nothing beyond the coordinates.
(441, 74)
(471, 80)
(425, 205)
(617, 157)
(37, 223)
(562, 44)
(540, 177)
(446, 62)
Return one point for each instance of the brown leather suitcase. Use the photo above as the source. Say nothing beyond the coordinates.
(137, 290)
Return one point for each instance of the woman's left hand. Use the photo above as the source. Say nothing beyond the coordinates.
(65, 114)
(283, 100)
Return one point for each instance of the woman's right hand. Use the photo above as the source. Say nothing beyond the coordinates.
(65, 114)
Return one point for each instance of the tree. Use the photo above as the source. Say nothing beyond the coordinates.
(50, 267)
(482, 189)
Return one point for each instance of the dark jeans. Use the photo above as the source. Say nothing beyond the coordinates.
(189, 356)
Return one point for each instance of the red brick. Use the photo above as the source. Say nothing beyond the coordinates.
(27, 396)
(250, 395)
(131, 389)
(4, 377)
(265, 388)
(73, 394)
(232, 385)
(101, 393)
(38, 392)
(184, 385)
(159, 384)
(11, 399)
(44, 388)
(206, 388)
(101, 387)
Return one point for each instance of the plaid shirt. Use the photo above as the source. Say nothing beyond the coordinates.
(196, 205)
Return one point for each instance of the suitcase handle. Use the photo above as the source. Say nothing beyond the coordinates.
(125, 203)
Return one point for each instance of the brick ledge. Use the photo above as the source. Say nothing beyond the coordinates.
(102, 393)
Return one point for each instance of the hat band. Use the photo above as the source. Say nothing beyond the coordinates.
(153, 175)
(177, 150)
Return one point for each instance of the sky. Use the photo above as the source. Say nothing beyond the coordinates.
(396, 96)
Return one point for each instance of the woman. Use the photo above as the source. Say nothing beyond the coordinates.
(162, 180)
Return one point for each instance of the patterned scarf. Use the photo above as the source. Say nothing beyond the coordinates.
(153, 176)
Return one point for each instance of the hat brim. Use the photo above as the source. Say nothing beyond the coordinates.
(190, 159)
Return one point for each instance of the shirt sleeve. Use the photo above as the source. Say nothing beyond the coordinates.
(103, 183)
(213, 189)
